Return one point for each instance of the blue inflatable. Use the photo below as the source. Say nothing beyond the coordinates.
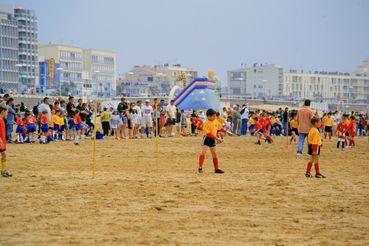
(199, 94)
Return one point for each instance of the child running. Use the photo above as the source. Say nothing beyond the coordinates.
(3, 115)
(210, 139)
(294, 132)
(314, 144)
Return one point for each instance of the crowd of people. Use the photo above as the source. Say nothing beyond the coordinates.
(63, 120)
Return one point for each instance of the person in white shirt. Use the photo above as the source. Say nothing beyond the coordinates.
(45, 106)
(171, 117)
(138, 109)
(244, 119)
(147, 112)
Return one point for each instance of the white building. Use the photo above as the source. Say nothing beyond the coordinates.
(83, 71)
(258, 81)
(329, 86)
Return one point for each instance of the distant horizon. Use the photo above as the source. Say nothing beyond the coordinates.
(207, 35)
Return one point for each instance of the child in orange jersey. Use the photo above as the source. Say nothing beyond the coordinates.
(351, 129)
(3, 115)
(78, 126)
(210, 139)
(20, 128)
(31, 126)
(294, 132)
(44, 122)
(314, 144)
(341, 132)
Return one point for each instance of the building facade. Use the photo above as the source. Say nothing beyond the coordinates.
(84, 72)
(326, 86)
(27, 49)
(101, 65)
(258, 81)
(154, 80)
(8, 53)
(49, 76)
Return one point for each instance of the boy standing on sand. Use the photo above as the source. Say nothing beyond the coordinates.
(210, 139)
(3, 114)
(314, 144)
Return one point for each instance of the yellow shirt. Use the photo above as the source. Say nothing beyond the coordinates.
(347, 122)
(61, 121)
(55, 119)
(251, 121)
(211, 128)
(294, 123)
(314, 136)
(105, 116)
(328, 121)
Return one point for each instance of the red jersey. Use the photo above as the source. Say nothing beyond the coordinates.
(259, 125)
(44, 119)
(19, 121)
(2, 133)
(30, 119)
(352, 128)
(341, 129)
(77, 119)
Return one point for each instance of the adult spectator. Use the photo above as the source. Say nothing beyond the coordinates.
(10, 119)
(304, 116)
(45, 106)
(171, 118)
(285, 121)
(122, 106)
(244, 119)
(156, 107)
(105, 121)
(4, 100)
(236, 119)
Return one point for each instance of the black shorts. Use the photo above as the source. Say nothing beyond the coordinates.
(328, 129)
(295, 131)
(170, 122)
(313, 148)
(207, 141)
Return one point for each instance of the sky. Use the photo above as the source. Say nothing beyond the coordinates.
(330, 35)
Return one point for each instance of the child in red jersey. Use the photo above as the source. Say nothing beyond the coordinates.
(31, 126)
(77, 126)
(20, 128)
(44, 123)
(341, 132)
(3, 114)
(351, 129)
(259, 130)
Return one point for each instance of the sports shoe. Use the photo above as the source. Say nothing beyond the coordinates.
(6, 174)
(199, 170)
(319, 176)
(76, 143)
(308, 175)
(219, 171)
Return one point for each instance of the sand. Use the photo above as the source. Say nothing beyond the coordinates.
(262, 199)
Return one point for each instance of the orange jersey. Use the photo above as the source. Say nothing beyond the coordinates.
(44, 119)
(314, 136)
(19, 121)
(3, 133)
(211, 128)
(328, 121)
(77, 119)
(30, 119)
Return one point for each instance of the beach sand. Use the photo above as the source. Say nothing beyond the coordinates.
(262, 199)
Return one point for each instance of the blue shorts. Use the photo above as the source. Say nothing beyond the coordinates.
(71, 123)
(252, 127)
(261, 132)
(19, 129)
(62, 128)
(31, 128)
(44, 128)
(78, 127)
(56, 127)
